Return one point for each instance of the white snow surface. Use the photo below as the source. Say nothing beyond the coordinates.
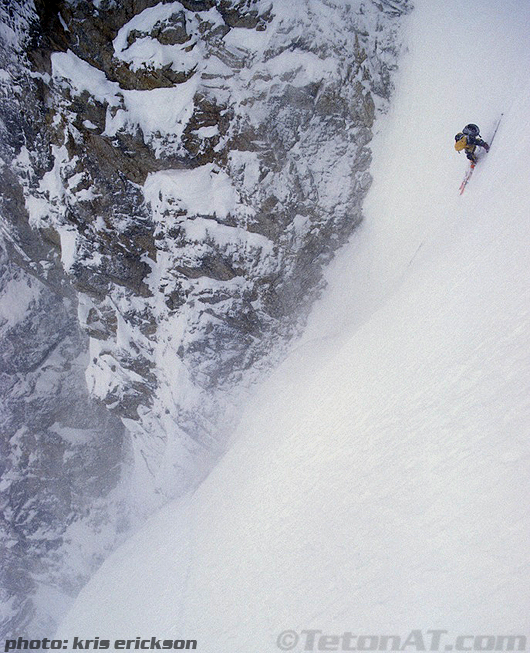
(378, 482)
(204, 190)
(16, 299)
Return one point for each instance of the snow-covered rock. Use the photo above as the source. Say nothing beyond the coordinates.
(175, 177)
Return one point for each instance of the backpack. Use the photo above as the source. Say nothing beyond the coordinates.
(461, 143)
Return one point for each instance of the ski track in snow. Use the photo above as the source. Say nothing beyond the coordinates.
(379, 480)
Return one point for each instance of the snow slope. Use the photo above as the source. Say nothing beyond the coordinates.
(379, 481)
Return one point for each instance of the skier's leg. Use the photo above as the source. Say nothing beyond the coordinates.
(470, 153)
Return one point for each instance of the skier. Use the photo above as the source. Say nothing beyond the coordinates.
(468, 139)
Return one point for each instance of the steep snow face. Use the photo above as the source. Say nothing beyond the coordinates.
(174, 175)
(379, 481)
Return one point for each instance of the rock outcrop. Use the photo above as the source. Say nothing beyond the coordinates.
(175, 176)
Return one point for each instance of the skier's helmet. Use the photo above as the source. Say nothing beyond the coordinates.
(458, 136)
(471, 130)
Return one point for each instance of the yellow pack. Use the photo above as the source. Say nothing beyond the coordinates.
(461, 144)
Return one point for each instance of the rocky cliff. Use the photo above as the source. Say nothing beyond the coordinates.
(175, 176)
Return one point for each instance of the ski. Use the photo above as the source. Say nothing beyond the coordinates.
(468, 174)
(467, 178)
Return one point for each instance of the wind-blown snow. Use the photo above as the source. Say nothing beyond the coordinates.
(202, 191)
(16, 299)
(379, 481)
(160, 111)
(68, 248)
(84, 77)
(145, 52)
